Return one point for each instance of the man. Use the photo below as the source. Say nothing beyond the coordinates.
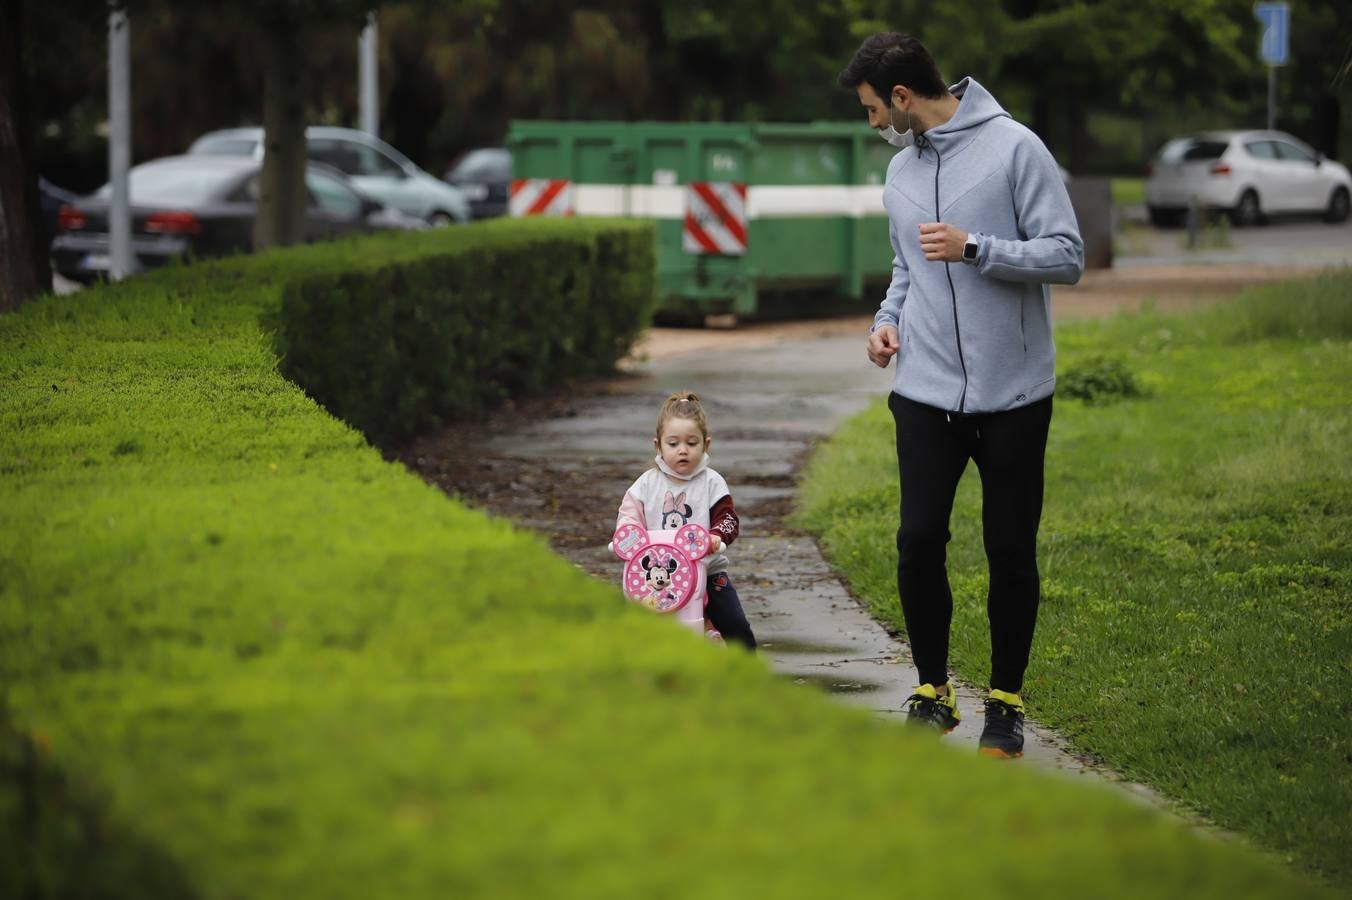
(981, 224)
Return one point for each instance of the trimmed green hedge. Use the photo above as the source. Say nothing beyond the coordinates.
(243, 656)
(399, 349)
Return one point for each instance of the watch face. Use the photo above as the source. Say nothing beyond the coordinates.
(969, 251)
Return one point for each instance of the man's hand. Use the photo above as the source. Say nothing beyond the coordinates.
(883, 344)
(942, 242)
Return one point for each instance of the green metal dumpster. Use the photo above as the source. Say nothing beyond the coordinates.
(743, 211)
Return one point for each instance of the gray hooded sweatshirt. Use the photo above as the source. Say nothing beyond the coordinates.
(977, 337)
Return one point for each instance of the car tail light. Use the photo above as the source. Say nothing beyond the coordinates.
(1219, 168)
(172, 223)
(70, 219)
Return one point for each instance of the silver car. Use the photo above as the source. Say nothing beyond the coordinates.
(376, 169)
(1250, 175)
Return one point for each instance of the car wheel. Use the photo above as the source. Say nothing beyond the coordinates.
(1338, 206)
(440, 220)
(1165, 218)
(1247, 212)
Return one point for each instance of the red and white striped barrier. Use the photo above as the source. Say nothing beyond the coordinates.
(715, 218)
(541, 197)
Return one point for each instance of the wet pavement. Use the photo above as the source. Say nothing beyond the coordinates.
(1282, 242)
(560, 467)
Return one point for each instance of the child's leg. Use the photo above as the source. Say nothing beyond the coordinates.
(725, 611)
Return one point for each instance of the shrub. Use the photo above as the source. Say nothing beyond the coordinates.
(1098, 379)
(399, 349)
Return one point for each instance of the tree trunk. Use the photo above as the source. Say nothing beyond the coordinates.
(24, 267)
(1042, 124)
(1077, 142)
(668, 95)
(1327, 124)
(282, 195)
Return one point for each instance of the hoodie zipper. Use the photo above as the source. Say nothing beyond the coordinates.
(952, 291)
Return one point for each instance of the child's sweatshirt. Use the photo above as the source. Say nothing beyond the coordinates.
(660, 499)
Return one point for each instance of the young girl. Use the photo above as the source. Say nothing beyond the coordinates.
(682, 488)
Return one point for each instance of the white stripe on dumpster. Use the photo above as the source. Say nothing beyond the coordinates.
(795, 201)
(774, 201)
(638, 200)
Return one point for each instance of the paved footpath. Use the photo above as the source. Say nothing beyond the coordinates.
(563, 472)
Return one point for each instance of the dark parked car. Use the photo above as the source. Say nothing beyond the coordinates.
(482, 176)
(52, 198)
(204, 206)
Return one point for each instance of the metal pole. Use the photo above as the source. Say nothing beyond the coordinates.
(368, 75)
(1272, 98)
(120, 263)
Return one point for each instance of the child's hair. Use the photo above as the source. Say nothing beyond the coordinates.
(683, 405)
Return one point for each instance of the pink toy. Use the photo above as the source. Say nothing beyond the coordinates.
(665, 570)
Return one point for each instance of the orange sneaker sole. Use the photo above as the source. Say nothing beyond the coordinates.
(997, 753)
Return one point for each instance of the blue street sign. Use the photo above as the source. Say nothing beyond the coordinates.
(1276, 18)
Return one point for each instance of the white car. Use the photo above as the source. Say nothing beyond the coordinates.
(1248, 174)
(376, 169)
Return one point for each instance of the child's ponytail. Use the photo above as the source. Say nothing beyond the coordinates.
(683, 405)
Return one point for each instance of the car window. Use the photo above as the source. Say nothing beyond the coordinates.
(354, 158)
(484, 165)
(374, 162)
(332, 196)
(1204, 150)
(1261, 149)
(1291, 152)
(227, 147)
(339, 154)
(1191, 149)
(174, 184)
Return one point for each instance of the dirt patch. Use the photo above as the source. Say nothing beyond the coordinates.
(664, 343)
(1168, 288)
(571, 507)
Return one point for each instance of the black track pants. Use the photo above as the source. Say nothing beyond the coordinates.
(725, 612)
(933, 448)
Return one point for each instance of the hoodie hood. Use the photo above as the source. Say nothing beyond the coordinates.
(976, 335)
(976, 107)
(672, 473)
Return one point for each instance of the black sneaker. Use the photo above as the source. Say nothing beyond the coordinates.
(926, 708)
(1002, 736)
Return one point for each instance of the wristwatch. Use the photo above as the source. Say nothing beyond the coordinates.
(969, 249)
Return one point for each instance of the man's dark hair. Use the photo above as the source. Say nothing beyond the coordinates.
(891, 58)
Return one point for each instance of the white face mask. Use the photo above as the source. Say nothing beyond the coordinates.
(889, 134)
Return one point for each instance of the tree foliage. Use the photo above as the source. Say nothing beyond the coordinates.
(455, 72)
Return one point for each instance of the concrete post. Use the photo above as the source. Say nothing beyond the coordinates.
(1092, 200)
(120, 263)
(368, 76)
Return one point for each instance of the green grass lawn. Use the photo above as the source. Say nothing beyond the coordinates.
(1128, 191)
(1196, 556)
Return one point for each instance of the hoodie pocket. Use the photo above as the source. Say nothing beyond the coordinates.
(1023, 333)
